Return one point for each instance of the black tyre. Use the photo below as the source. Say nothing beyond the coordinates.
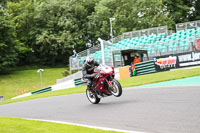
(117, 89)
(92, 97)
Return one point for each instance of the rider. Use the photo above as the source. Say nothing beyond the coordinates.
(88, 70)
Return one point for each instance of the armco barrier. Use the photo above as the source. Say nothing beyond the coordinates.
(60, 86)
(145, 67)
(78, 82)
(41, 90)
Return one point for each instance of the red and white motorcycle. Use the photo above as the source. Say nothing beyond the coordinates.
(103, 85)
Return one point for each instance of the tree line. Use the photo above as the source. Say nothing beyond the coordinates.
(44, 32)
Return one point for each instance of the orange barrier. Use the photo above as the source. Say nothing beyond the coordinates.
(124, 72)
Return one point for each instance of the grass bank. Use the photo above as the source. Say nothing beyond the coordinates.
(128, 82)
(17, 125)
(28, 80)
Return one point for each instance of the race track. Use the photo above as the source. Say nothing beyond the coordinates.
(151, 109)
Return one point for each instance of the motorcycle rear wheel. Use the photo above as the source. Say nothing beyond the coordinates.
(117, 89)
(92, 97)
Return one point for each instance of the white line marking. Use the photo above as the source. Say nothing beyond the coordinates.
(154, 87)
(89, 126)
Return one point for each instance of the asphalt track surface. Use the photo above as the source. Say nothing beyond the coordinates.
(151, 109)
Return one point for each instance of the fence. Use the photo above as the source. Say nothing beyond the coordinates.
(144, 32)
(96, 51)
(156, 41)
(176, 44)
(99, 52)
(173, 47)
(188, 25)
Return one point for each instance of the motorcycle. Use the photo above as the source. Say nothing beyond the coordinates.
(103, 85)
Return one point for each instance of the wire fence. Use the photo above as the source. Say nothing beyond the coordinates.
(179, 42)
(143, 32)
(96, 53)
(188, 25)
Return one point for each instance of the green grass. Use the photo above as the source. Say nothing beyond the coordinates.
(29, 80)
(128, 82)
(159, 77)
(17, 125)
(79, 89)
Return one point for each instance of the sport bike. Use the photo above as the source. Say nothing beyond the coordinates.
(103, 85)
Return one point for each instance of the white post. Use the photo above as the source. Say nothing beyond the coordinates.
(102, 51)
(41, 79)
(40, 71)
(111, 33)
(112, 62)
(1, 98)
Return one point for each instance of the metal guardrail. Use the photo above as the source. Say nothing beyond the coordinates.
(145, 67)
(78, 82)
(41, 90)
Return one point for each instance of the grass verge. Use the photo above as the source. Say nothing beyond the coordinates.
(18, 125)
(160, 77)
(128, 82)
(79, 89)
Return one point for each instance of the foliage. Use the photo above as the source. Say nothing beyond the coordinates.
(130, 15)
(45, 32)
(8, 44)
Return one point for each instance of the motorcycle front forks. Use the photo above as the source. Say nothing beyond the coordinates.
(108, 85)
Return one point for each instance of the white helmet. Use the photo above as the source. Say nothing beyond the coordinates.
(89, 60)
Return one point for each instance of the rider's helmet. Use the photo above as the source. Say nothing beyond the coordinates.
(89, 60)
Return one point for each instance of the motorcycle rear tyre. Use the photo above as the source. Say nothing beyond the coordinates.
(94, 99)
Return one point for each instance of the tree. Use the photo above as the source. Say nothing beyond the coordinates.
(178, 10)
(46, 31)
(152, 13)
(2, 3)
(51, 29)
(8, 44)
(130, 15)
(194, 13)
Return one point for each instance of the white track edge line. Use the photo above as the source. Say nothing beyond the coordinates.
(167, 86)
(89, 126)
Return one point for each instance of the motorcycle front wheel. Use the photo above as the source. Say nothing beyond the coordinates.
(117, 89)
(92, 97)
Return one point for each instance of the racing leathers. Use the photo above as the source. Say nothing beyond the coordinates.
(88, 72)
